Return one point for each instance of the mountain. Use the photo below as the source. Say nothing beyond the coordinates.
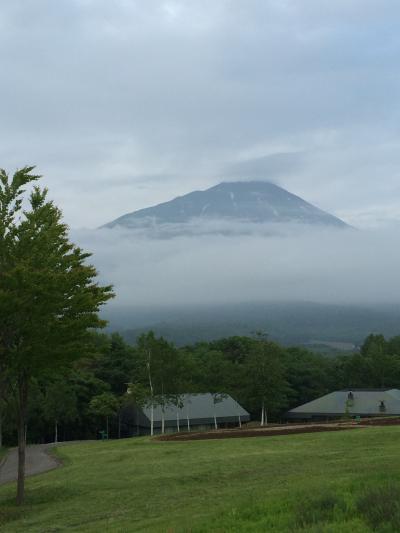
(316, 325)
(248, 201)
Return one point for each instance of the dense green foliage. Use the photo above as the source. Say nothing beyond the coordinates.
(49, 297)
(253, 370)
(343, 482)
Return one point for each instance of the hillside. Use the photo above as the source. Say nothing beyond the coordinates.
(286, 322)
(340, 482)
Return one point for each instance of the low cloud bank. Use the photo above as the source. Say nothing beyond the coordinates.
(252, 263)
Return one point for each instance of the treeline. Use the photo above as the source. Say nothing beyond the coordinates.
(266, 378)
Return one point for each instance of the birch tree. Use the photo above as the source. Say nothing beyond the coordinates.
(267, 388)
(165, 372)
(49, 298)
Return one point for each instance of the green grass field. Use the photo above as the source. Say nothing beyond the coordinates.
(332, 482)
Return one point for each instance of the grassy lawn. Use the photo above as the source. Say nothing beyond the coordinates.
(332, 482)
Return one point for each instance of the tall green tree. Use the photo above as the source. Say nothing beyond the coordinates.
(117, 363)
(105, 405)
(49, 298)
(265, 374)
(60, 404)
(165, 372)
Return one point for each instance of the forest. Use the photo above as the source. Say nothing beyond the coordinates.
(88, 398)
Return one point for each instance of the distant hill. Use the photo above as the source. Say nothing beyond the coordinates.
(321, 327)
(246, 201)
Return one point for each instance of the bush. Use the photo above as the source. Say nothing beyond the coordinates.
(324, 508)
(380, 507)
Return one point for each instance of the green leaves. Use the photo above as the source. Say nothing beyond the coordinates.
(48, 295)
(11, 193)
(105, 404)
(49, 299)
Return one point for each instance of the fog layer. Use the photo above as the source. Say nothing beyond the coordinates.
(259, 263)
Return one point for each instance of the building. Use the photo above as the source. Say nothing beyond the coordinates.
(195, 412)
(355, 402)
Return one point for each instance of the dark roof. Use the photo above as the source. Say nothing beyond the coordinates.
(200, 407)
(363, 402)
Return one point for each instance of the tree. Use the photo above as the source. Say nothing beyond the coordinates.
(165, 371)
(49, 299)
(105, 405)
(59, 404)
(137, 396)
(267, 387)
(310, 375)
(4, 398)
(116, 362)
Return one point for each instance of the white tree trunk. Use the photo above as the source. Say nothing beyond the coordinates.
(215, 421)
(262, 415)
(151, 393)
(177, 422)
(56, 432)
(240, 422)
(188, 422)
(162, 421)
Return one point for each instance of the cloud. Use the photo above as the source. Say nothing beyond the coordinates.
(102, 94)
(267, 168)
(295, 263)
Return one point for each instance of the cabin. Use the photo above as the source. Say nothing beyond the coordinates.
(193, 412)
(350, 402)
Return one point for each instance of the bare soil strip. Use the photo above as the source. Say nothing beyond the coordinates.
(281, 429)
(380, 422)
(262, 432)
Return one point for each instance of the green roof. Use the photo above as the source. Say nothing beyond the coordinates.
(200, 407)
(355, 402)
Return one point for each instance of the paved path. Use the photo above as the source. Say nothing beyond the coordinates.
(38, 460)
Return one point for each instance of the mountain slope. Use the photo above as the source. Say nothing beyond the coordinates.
(250, 201)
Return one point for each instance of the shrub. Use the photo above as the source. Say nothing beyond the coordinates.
(381, 507)
(322, 508)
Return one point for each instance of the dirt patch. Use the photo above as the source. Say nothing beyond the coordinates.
(253, 432)
(380, 422)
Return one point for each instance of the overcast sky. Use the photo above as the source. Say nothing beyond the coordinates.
(122, 104)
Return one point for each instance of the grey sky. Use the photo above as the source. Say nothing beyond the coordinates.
(123, 104)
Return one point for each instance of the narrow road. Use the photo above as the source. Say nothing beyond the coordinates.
(38, 460)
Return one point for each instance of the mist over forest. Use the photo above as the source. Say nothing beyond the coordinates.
(347, 267)
(278, 279)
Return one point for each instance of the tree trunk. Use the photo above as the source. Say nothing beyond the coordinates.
(21, 423)
(215, 421)
(55, 432)
(177, 421)
(188, 422)
(151, 393)
(162, 421)
(262, 415)
(240, 422)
